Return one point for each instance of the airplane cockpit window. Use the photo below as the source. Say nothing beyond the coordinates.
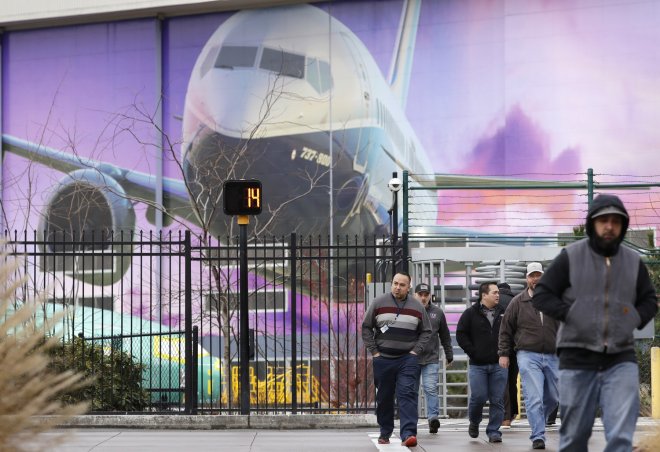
(231, 57)
(325, 76)
(318, 75)
(209, 61)
(283, 63)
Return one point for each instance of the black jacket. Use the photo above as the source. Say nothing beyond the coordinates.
(505, 296)
(476, 337)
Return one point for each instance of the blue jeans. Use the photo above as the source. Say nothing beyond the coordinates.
(487, 382)
(615, 390)
(430, 373)
(539, 375)
(400, 377)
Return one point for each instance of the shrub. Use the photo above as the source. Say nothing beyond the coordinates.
(117, 378)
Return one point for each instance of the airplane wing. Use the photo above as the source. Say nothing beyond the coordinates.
(138, 186)
(450, 181)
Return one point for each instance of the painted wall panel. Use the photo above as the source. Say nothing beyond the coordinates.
(501, 88)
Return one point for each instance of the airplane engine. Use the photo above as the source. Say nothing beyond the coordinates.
(87, 227)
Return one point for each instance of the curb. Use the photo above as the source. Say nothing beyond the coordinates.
(223, 422)
(269, 422)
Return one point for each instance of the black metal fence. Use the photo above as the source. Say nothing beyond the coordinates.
(171, 303)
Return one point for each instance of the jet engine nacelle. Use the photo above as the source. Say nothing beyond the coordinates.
(87, 228)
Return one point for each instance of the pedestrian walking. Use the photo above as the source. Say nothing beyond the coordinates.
(429, 359)
(601, 291)
(532, 336)
(511, 389)
(477, 334)
(395, 330)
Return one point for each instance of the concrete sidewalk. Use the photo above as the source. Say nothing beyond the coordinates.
(325, 436)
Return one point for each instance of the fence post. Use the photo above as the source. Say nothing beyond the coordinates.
(655, 382)
(405, 202)
(590, 186)
(294, 323)
(187, 296)
(404, 251)
(243, 319)
(195, 372)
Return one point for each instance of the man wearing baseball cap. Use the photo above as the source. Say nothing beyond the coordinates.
(601, 291)
(532, 336)
(429, 359)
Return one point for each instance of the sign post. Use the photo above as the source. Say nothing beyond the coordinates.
(242, 198)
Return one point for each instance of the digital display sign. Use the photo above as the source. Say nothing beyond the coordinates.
(242, 197)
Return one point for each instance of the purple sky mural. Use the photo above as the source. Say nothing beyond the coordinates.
(497, 88)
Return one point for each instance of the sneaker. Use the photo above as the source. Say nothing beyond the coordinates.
(383, 440)
(538, 444)
(434, 425)
(495, 439)
(411, 441)
(506, 424)
(473, 430)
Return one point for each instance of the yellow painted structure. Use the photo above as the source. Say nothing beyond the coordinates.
(655, 382)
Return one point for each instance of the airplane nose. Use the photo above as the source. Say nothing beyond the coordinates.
(295, 199)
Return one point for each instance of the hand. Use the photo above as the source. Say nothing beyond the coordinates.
(504, 362)
(413, 353)
(448, 364)
(376, 355)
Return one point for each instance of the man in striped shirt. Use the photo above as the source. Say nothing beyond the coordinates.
(395, 330)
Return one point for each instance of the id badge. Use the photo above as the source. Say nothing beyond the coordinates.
(384, 328)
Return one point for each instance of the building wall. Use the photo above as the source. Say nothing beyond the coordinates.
(28, 14)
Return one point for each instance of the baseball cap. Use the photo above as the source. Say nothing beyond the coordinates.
(534, 267)
(422, 287)
(609, 210)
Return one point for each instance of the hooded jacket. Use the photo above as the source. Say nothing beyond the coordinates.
(600, 292)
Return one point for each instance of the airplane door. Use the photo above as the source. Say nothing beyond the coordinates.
(363, 140)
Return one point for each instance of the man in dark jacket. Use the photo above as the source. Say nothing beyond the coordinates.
(476, 333)
(429, 359)
(511, 390)
(505, 295)
(601, 291)
(533, 337)
(395, 330)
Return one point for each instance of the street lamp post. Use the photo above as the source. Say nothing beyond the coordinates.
(395, 186)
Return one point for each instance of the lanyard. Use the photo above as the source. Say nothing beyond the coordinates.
(399, 308)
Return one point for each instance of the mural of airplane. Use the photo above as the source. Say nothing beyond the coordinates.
(289, 96)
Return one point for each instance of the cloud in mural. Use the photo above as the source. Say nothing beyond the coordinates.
(518, 149)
